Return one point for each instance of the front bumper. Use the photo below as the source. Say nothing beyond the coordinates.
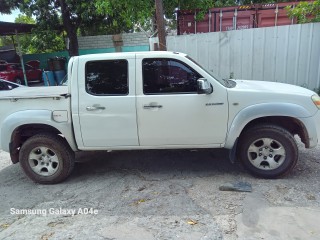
(313, 127)
(317, 122)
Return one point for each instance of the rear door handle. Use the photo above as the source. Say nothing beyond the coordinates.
(94, 108)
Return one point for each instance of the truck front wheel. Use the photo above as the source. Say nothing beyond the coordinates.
(268, 151)
(46, 158)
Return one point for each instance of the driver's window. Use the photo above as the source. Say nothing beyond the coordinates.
(168, 76)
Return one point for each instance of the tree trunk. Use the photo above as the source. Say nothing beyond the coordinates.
(160, 25)
(71, 29)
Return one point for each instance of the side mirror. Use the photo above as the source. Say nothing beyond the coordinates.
(204, 87)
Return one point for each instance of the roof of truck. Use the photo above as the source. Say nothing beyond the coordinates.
(132, 54)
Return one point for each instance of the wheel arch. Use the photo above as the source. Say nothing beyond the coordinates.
(291, 124)
(23, 132)
(291, 117)
(19, 126)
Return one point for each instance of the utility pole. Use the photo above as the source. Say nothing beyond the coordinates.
(160, 25)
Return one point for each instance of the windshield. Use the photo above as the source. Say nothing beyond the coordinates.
(224, 82)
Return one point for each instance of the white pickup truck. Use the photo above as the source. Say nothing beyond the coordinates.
(155, 100)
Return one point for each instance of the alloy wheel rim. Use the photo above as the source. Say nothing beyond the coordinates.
(266, 154)
(43, 161)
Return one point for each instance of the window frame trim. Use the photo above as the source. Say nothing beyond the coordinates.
(168, 93)
(107, 60)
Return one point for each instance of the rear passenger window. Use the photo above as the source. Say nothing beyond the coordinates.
(107, 77)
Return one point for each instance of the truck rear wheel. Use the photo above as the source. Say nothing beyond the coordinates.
(268, 151)
(46, 158)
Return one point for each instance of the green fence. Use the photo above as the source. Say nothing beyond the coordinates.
(43, 57)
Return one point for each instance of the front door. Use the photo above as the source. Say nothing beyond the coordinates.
(107, 106)
(171, 112)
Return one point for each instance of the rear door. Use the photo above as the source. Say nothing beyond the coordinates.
(107, 106)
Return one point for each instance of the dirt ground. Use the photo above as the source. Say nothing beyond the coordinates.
(161, 195)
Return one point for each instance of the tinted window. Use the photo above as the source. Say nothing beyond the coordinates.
(107, 77)
(168, 76)
(3, 86)
(7, 86)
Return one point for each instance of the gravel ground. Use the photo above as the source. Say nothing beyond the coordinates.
(161, 195)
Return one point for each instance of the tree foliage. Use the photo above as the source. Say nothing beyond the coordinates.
(94, 17)
(50, 15)
(130, 14)
(5, 41)
(306, 12)
(40, 40)
(82, 17)
(6, 6)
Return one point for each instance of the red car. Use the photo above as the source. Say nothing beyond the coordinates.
(13, 72)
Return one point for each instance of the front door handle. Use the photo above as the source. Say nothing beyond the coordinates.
(95, 107)
(152, 106)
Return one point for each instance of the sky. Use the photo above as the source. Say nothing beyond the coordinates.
(9, 18)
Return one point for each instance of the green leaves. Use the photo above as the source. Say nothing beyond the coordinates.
(41, 40)
(7, 5)
(305, 12)
(97, 17)
(24, 19)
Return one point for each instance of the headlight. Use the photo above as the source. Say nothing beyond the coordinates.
(316, 100)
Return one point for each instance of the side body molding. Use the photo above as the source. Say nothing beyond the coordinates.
(20, 118)
(268, 110)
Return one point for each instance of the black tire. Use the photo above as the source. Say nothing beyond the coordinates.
(46, 158)
(268, 151)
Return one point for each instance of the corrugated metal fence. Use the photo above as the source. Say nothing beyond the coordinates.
(289, 54)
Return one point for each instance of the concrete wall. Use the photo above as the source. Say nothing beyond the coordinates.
(113, 41)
